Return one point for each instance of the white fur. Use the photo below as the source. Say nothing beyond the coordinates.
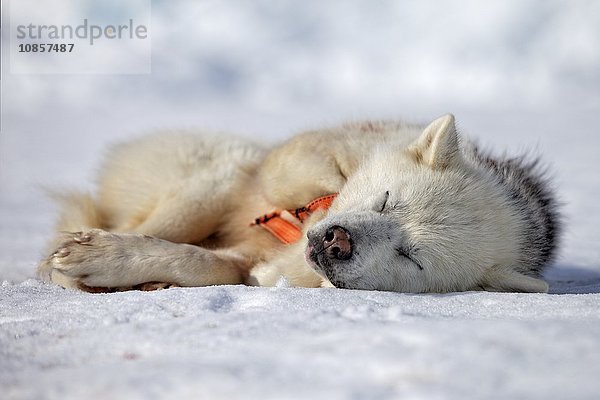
(448, 214)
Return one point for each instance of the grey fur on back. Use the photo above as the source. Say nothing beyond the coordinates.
(528, 187)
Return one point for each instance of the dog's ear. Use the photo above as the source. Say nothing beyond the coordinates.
(508, 280)
(438, 144)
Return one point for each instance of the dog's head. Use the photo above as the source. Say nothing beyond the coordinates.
(421, 218)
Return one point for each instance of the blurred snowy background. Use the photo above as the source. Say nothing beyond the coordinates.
(518, 74)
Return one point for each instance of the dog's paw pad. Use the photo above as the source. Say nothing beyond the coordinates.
(61, 253)
(82, 238)
(149, 286)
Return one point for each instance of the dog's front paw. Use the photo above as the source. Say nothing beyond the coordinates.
(92, 258)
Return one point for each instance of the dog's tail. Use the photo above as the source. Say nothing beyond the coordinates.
(78, 212)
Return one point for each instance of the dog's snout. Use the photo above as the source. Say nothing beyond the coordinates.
(337, 244)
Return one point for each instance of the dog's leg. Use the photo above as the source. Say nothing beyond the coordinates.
(176, 187)
(184, 217)
(97, 258)
(290, 265)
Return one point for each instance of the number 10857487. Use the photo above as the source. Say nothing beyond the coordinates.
(46, 47)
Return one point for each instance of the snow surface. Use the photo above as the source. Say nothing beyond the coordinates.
(234, 341)
(517, 74)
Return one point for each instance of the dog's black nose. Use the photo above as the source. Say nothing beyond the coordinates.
(337, 244)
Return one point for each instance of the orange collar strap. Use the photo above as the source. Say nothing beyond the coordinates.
(286, 225)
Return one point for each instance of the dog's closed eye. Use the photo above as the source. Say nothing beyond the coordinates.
(382, 202)
(406, 254)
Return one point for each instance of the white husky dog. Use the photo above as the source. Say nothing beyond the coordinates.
(373, 205)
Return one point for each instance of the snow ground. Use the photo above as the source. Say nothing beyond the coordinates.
(517, 74)
(233, 342)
